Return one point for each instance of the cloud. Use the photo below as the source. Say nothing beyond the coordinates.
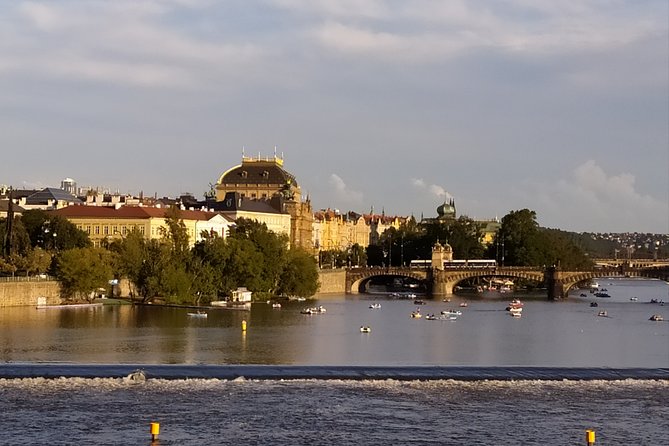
(602, 202)
(125, 42)
(343, 192)
(434, 189)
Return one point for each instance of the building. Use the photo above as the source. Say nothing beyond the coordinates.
(265, 180)
(46, 199)
(235, 206)
(69, 186)
(108, 224)
(333, 230)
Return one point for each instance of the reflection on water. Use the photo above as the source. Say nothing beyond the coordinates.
(566, 333)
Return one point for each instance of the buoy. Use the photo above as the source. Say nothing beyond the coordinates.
(590, 437)
(155, 430)
(243, 325)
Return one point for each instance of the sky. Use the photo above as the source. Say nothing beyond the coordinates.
(560, 107)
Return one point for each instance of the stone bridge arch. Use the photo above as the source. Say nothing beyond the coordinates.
(355, 277)
(445, 281)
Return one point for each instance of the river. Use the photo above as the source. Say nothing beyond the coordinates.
(113, 410)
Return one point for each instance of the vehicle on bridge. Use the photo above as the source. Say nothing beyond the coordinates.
(473, 263)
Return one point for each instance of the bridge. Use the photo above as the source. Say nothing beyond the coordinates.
(557, 282)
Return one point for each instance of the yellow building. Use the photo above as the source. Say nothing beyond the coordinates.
(336, 231)
(265, 180)
(103, 223)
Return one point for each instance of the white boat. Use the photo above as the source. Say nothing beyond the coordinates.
(375, 306)
(314, 310)
(603, 313)
(276, 305)
(448, 317)
(656, 317)
(198, 314)
(634, 299)
(365, 329)
(451, 312)
(464, 304)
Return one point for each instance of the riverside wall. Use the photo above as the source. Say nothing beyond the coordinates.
(25, 293)
(332, 281)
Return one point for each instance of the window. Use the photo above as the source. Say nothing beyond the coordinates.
(97, 229)
(105, 230)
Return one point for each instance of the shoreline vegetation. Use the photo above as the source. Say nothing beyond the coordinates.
(177, 272)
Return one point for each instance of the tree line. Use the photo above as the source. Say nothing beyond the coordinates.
(251, 256)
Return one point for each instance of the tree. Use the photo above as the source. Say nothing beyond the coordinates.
(53, 232)
(300, 274)
(81, 271)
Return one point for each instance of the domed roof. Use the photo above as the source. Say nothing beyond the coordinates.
(258, 171)
(446, 209)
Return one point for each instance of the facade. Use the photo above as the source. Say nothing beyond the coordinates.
(335, 231)
(265, 180)
(103, 223)
(234, 206)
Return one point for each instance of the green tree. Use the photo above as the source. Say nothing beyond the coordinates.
(81, 271)
(300, 274)
(53, 232)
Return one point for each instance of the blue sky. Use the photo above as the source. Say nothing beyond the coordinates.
(559, 107)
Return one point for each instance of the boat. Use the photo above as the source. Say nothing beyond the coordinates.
(451, 312)
(430, 317)
(656, 317)
(515, 310)
(603, 313)
(464, 304)
(583, 295)
(365, 329)
(516, 314)
(198, 314)
(515, 303)
(634, 298)
(313, 310)
(594, 304)
(375, 306)
(419, 302)
(448, 317)
(601, 294)
(416, 314)
(446, 299)
(276, 305)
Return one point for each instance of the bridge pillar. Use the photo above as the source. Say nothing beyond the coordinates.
(554, 284)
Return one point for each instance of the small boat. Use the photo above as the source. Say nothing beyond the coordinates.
(365, 329)
(448, 317)
(375, 306)
(515, 303)
(276, 305)
(314, 310)
(198, 314)
(451, 312)
(656, 317)
(516, 314)
(416, 314)
(603, 313)
(584, 295)
(430, 317)
(594, 304)
(419, 302)
(600, 294)
(515, 310)
(446, 299)
(464, 304)
(634, 299)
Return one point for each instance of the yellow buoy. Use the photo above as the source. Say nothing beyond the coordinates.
(590, 437)
(243, 325)
(155, 430)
